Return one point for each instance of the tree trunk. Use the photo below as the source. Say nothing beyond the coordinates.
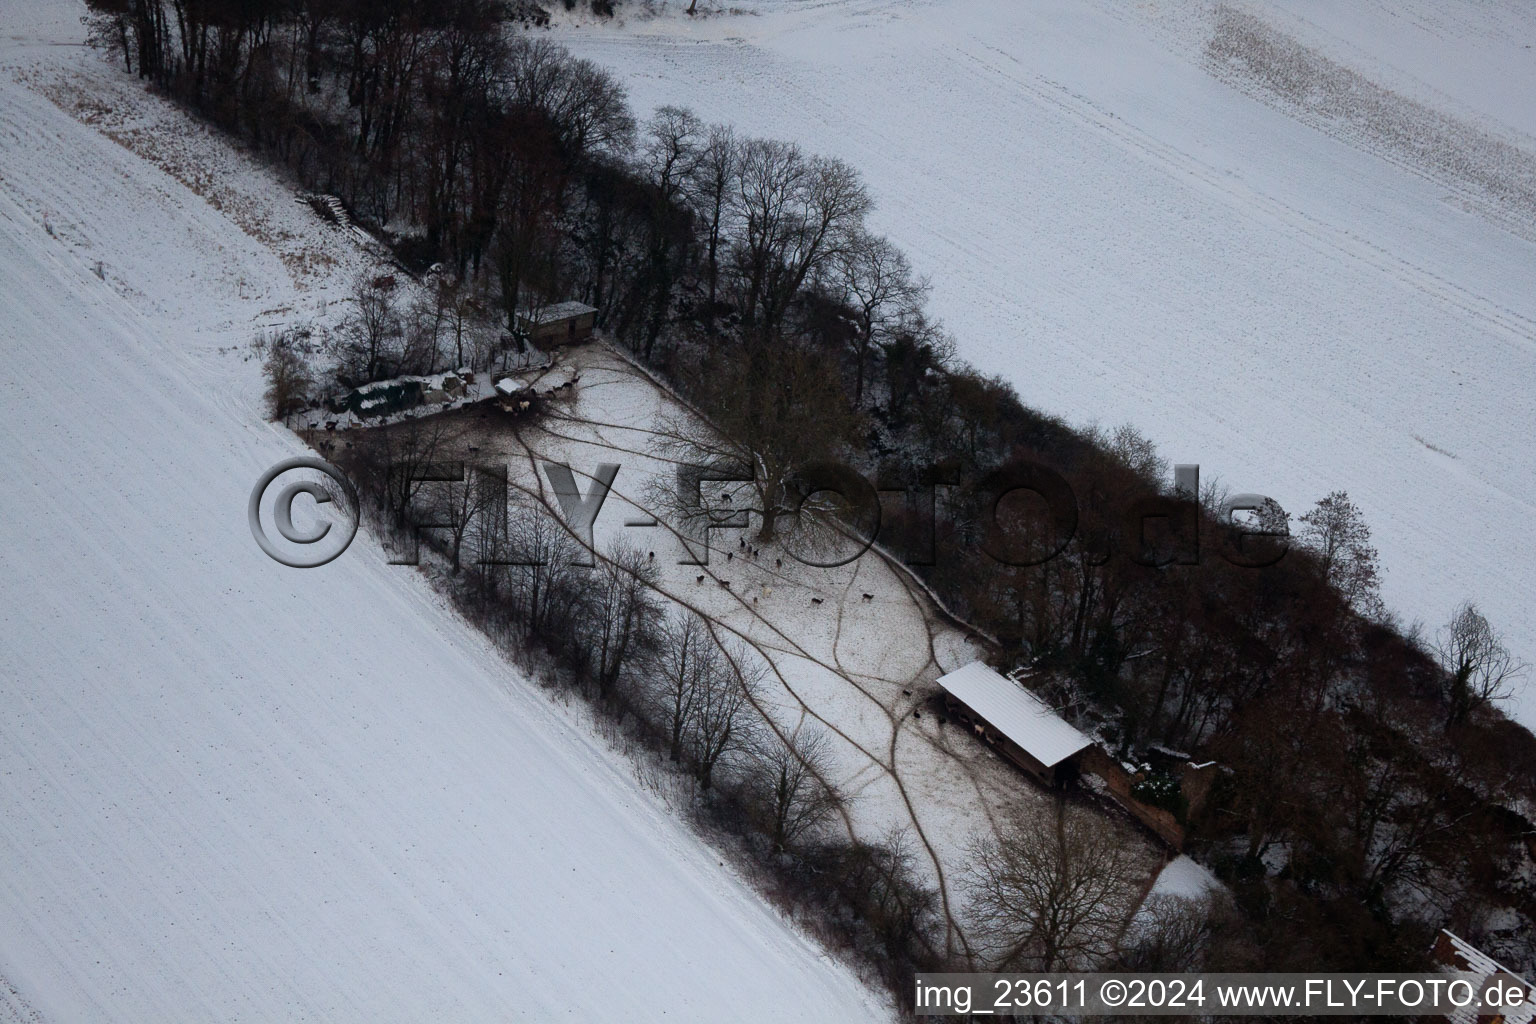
(770, 512)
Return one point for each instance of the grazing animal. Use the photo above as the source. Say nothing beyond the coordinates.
(729, 555)
(815, 600)
(740, 543)
(916, 713)
(651, 557)
(869, 597)
(778, 563)
(726, 584)
(698, 579)
(906, 693)
(330, 424)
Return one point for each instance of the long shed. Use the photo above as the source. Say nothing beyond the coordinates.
(1459, 957)
(1015, 722)
(564, 323)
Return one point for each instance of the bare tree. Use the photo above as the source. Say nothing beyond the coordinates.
(622, 611)
(719, 725)
(425, 321)
(544, 585)
(371, 335)
(793, 215)
(1135, 450)
(110, 26)
(595, 110)
(465, 325)
(395, 461)
(894, 907)
(669, 152)
(587, 106)
(519, 180)
(710, 189)
(668, 158)
(791, 775)
(456, 506)
(1053, 892)
(487, 533)
(877, 282)
(462, 60)
(290, 386)
(1336, 530)
(1479, 668)
(700, 693)
(686, 655)
(1169, 933)
(772, 423)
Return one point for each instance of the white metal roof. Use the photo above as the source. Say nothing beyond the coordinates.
(1015, 712)
(558, 311)
(1481, 967)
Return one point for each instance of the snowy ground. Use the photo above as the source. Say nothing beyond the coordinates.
(860, 670)
(1184, 879)
(231, 790)
(1130, 228)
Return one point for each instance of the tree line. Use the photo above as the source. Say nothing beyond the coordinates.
(670, 681)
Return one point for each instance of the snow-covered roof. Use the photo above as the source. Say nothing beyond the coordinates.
(558, 311)
(1472, 961)
(1015, 712)
(1184, 878)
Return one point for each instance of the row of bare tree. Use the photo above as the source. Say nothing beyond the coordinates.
(517, 568)
(689, 692)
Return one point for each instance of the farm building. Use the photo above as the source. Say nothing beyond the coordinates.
(1459, 957)
(564, 323)
(1015, 722)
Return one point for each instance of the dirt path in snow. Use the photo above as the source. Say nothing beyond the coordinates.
(752, 600)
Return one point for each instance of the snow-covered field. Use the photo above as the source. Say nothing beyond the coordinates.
(232, 790)
(1131, 227)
